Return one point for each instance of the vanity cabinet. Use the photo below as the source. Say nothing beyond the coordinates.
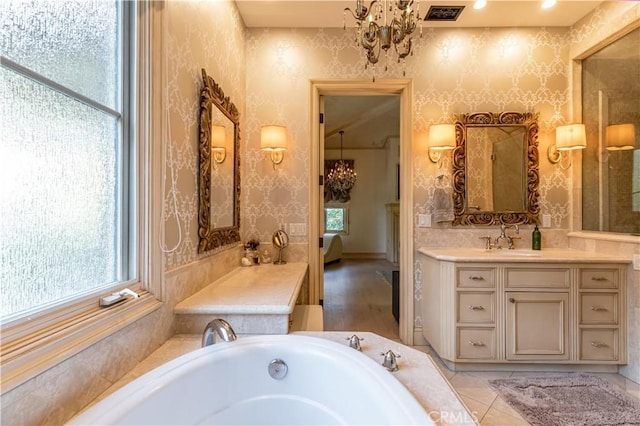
(559, 311)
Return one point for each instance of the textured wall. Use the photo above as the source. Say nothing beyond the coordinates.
(207, 35)
(453, 70)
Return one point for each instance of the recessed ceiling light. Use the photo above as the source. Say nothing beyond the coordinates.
(546, 4)
(479, 4)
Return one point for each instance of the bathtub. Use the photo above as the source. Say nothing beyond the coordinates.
(231, 383)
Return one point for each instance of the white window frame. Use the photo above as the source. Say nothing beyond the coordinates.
(32, 344)
(345, 212)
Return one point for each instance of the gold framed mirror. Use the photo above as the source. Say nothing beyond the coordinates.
(219, 191)
(495, 169)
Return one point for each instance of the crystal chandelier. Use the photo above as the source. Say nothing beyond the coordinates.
(384, 24)
(341, 177)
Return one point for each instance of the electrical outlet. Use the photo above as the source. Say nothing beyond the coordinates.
(546, 221)
(424, 220)
(636, 262)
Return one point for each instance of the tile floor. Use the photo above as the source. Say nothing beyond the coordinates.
(356, 297)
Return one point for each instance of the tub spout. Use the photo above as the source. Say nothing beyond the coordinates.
(218, 327)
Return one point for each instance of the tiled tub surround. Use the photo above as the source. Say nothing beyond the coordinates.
(509, 309)
(418, 372)
(254, 299)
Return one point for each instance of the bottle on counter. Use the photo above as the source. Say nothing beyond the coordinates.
(536, 239)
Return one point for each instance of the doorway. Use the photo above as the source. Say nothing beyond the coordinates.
(361, 227)
(397, 88)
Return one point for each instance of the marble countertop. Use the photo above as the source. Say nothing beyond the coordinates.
(263, 289)
(551, 255)
(417, 372)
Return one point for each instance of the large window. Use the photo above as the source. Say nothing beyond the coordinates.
(66, 152)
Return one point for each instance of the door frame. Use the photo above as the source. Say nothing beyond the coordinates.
(404, 88)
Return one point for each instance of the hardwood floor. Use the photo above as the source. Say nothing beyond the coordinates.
(358, 298)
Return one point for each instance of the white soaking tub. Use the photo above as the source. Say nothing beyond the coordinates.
(231, 383)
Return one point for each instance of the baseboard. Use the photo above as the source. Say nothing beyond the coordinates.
(418, 338)
(363, 255)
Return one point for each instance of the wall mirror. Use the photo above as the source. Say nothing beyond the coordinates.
(610, 102)
(495, 169)
(219, 210)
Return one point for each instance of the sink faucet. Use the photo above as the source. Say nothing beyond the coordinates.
(218, 327)
(503, 236)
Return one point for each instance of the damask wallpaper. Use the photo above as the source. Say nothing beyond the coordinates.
(454, 71)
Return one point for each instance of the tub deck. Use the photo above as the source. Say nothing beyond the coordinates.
(255, 300)
(417, 372)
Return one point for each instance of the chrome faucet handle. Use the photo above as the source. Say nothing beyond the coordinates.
(354, 342)
(390, 361)
(510, 242)
(488, 244)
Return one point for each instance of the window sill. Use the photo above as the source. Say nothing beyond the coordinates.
(25, 358)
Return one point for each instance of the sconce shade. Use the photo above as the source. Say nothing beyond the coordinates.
(442, 136)
(621, 136)
(218, 137)
(570, 136)
(273, 138)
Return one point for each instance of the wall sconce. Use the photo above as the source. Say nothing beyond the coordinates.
(442, 137)
(568, 138)
(218, 138)
(620, 137)
(273, 139)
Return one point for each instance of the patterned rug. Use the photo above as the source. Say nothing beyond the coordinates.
(579, 399)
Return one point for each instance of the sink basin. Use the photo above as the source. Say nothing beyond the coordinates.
(525, 253)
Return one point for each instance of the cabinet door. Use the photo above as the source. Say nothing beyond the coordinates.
(537, 326)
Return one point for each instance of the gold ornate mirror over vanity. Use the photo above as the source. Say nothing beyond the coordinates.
(495, 169)
(219, 210)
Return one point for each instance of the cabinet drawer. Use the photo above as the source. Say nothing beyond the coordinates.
(533, 277)
(476, 307)
(598, 308)
(476, 277)
(599, 344)
(599, 278)
(476, 343)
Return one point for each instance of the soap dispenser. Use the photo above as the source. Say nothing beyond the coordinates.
(536, 239)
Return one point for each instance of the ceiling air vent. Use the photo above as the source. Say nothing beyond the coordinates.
(443, 13)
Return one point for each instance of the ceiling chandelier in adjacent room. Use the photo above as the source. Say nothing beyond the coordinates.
(341, 177)
(385, 23)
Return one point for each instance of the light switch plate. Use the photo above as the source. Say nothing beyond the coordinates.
(546, 221)
(424, 221)
(636, 262)
(298, 229)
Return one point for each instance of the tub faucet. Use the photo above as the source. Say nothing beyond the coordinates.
(390, 361)
(218, 327)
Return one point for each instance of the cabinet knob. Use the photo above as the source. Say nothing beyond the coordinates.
(599, 279)
(480, 343)
(476, 307)
(512, 300)
(598, 308)
(476, 278)
(598, 345)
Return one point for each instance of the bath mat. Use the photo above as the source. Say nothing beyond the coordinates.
(579, 399)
